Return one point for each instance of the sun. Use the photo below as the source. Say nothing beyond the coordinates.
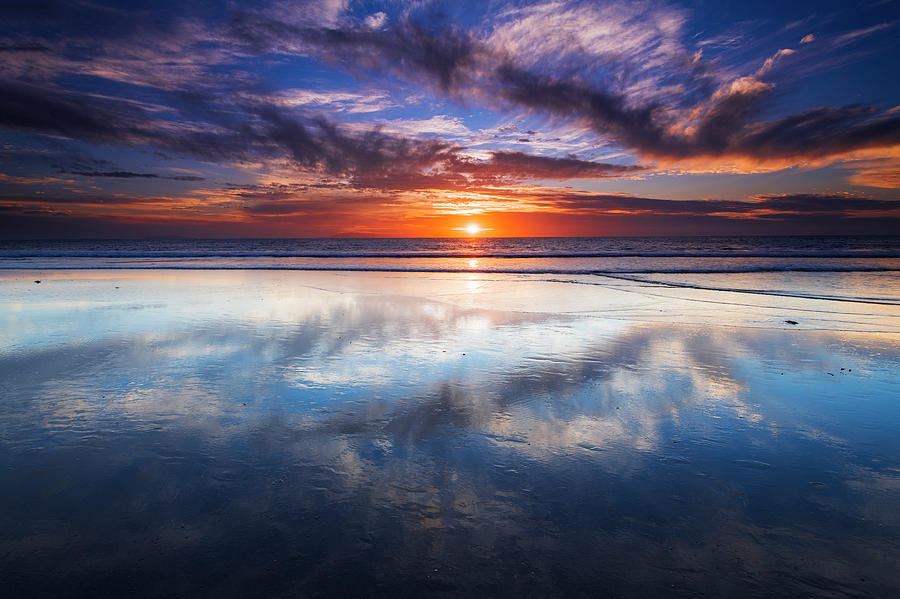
(472, 229)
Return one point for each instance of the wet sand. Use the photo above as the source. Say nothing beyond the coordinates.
(241, 433)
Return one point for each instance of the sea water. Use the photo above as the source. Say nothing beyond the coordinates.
(849, 268)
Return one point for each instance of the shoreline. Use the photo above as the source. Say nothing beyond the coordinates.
(601, 296)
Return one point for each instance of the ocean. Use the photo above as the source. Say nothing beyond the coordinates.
(510, 255)
(847, 268)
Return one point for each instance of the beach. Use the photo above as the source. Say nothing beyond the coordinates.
(322, 433)
(516, 299)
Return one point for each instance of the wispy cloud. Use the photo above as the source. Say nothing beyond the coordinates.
(852, 36)
(506, 69)
(438, 124)
(131, 175)
(338, 101)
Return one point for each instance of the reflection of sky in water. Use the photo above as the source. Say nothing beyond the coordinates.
(245, 433)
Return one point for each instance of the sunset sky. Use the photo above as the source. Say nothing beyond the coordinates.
(423, 119)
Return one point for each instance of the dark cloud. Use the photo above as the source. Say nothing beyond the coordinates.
(522, 166)
(607, 112)
(320, 144)
(24, 47)
(337, 205)
(375, 160)
(131, 175)
(820, 132)
(824, 203)
(371, 159)
(446, 54)
(18, 201)
(81, 116)
(726, 127)
(771, 207)
(38, 109)
(728, 118)
(452, 170)
(728, 124)
(441, 52)
(114, 174)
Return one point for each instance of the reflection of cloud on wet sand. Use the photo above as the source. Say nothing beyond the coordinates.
(391, 436)
(480, 370)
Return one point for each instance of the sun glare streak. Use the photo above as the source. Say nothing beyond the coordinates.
(472, 229)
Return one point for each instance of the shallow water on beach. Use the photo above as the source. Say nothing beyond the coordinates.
(318, 434)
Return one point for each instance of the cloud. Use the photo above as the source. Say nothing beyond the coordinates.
(454, 171)
(856, 34)
(24, 47)
(581, 73)
(322, 145)
(131, 175)
(503, 71)
(339, 101)
(367, 159)
(4, 178)
(84, 117)
(19, 202)
(521, 166)
(621, 70)
(723, 128)
(333, 205)
(407, 48)
(28, 107)
(881, 171)
(376, 21)
(635, 45)
(770, 62)
(763, 207)
(438, 124)
(808, 38)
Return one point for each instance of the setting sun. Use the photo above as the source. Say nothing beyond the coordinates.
(472, 229)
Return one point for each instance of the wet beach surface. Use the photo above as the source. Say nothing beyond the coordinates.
(320, 434)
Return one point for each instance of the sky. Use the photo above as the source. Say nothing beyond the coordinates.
(342, 118)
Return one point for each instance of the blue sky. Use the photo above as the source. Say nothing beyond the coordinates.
(341, 118)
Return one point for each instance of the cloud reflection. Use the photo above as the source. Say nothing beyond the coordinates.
(391, 438)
